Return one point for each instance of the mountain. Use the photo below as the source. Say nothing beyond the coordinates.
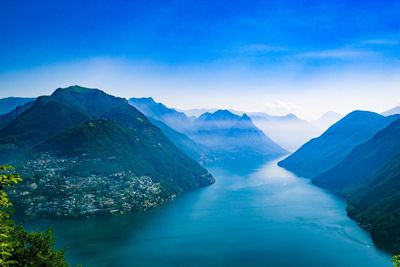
(393, 111)
(170, 122)
(80, 136)
(42, 120)
(174, 119)
(233, 135)
(10, 103)
(288, 131)
(322, 153)
(197, 112)
(369, 178)
(211, 136)
(191, 148)
(5, 119)
(65, 108)
(376, 206)
(364, 161)
(126, 149)
(327, 120)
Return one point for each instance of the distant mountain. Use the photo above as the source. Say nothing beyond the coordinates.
(211, 136)
(80, 136)
(323, 153)
(327, 120)
(191, 148)
(369, 177)
(197, 112)
(10, 103)
(172, 122)
(173, 118)
(393, 111)
(233, 135)
(288, 131)
(5, 119)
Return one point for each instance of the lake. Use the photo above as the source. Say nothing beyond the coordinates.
(258, 216)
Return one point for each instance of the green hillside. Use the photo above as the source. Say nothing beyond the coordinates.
(79, 143)
(123, 149)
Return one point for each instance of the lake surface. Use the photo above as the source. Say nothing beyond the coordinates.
(263, 216)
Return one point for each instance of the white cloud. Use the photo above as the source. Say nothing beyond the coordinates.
(385, 42)
(345, 53)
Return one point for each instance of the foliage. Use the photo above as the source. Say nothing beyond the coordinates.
(396, 260)
(6, 227)
(36, 249)
(17, 246)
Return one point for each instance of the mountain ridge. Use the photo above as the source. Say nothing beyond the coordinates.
(324, 152)
(81, 136)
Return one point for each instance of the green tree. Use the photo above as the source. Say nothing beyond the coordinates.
(17, 246)
(7, 178)
(396, 260)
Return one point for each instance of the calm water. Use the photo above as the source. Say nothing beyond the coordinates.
(264, 217)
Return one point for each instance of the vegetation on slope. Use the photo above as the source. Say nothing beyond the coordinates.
(17, 246)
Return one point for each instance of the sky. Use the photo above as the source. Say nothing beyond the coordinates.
(304, 57)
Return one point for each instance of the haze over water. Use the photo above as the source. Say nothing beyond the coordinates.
(261, 217)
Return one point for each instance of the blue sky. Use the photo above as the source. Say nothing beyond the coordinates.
(181, 51)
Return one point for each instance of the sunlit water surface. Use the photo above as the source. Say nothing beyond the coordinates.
(262, 216)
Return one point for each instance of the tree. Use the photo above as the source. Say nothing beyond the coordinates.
(6, 226)
(396, 260)
(17, 246)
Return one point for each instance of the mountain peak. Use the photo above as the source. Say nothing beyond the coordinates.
(219, 115)
(224, 114)
(393, 111)
(362, 113)
(245, 117)
(75, 89)
(291, 116)
(148, 100)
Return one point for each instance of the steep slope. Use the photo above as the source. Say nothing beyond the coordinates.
(207, 136)
(234, 136)
(174, 119)
(364, 161)
(105, 148)
(5, 119)
(376, 205)
(10, 103)
(322, 153)
(170, 122)
(194, 150)
(245, 135)
(210, 129)
(288, 131)
(369, 178)
(36, 124)
(119, 149)
(65, 108)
